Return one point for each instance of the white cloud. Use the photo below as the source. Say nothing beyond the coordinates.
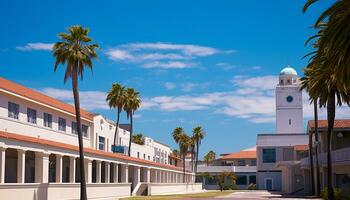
(169, 85)
(89, 100)
(168, 65)
(253, 99)
(225, 66)
(36, 46)
(161, 55)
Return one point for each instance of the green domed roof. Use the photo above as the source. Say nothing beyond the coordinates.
(288, 71)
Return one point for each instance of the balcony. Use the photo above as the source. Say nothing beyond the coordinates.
(338, 156)
(218, 169)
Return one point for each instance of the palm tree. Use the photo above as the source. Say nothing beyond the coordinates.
(185, 142)
(131, 104)
(209, 157)
(138, 139)
(115, 98)
(76, 52)
(329, 64)
(318, 184)
(193, 152)
(198, 135)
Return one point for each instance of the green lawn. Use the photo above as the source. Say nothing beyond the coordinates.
(182, 196)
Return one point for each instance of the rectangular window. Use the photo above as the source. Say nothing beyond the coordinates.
(74, 128)
(241, 162)
(61, 124)
(138, 154)
(144, 156)
(269, 155)
(101, 143)
(252, 179)
(31, 115)
(13, 110)
(149, 157)
(48, 120)
(253, 162)
(241, 180)
(84, 129)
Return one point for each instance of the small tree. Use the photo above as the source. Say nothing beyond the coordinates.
(138, 139)
(209, 157)
(226, 180)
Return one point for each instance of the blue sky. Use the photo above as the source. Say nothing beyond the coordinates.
(208, 63)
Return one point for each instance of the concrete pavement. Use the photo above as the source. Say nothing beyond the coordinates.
(259, 195)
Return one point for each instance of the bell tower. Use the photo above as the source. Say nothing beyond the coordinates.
(289, 103)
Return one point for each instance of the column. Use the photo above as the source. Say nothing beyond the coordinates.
(88, 170)
(146, 175)
(21, 165)
(72, 169)
(107, 172)
(136, 178)
(98, 171)
(41, 167)
(155, 176)
(124, 174)
(58, 168)
(115, 170)
(2, 164)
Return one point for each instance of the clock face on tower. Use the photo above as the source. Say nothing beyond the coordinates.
(289, 99)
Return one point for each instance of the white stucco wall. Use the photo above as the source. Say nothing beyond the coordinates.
(21, 126)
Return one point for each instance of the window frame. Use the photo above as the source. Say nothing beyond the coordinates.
(267, 159)
(60, 120)
(31, 119)
(47, 116)
(14, 114)
(101, 142)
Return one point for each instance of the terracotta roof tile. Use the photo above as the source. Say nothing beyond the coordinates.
(239, 155)
(39, 97)
(22, 138)
(338, 123)
(301, 147)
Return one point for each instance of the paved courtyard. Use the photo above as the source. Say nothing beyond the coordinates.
(259, 195)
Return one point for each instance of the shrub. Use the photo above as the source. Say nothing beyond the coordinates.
(252, 186)
(338, 194)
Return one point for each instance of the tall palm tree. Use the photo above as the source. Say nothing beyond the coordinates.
(131, 104)
(198, 135)
(193, 152)
(209, 157)
(184, 142)
(318, 183)
(330, 61)
(116, 98)
(76, 52)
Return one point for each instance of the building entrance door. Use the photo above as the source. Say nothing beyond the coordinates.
(268, 184)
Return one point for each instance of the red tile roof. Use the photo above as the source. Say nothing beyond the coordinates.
(338, 123)
(240, 155)
(39, 97)
(23, 138)
(301, 147)
(171, 155)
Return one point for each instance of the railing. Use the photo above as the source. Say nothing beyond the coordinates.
(340, 155)
(226, 168)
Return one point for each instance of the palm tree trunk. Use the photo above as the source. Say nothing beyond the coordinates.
(330, 118)
(131, 126)
(318, 184)
(197, 152)
(116, 127)
(184, 167)
(312, 174)
(83, 195)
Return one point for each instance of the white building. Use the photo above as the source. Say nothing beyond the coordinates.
(280, 152)
(152, 150)
(39, 153)
(242, 164)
